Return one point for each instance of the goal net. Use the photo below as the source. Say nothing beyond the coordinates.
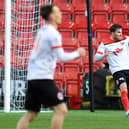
(25, 20)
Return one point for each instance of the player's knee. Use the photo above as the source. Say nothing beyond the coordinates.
(31, 115)
(123, 87)
(62, 112)
(62, 109)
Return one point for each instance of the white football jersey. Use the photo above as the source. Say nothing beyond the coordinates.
(119, 58)
(47, 49)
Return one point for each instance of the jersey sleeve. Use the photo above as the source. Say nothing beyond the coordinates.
(127, 39)
(64, 56)
(55, 40)
(100, 52)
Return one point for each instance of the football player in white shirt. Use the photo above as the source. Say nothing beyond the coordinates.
(116, 49)
(41, 87)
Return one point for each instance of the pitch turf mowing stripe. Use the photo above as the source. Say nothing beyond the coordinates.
(74, 120)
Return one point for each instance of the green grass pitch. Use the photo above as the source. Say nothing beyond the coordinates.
(76, 119)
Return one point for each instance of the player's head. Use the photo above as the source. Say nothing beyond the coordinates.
(51, 13)
(116, 31)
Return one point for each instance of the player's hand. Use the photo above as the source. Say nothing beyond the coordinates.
(107, 53)
(81, 51)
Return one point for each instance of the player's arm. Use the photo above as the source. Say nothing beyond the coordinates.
(100, 54)
(58, 51)
(63, 56)
(127, 39)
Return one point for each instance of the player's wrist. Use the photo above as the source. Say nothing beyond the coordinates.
(77, 54)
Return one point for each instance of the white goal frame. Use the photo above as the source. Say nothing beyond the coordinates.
(7, 70)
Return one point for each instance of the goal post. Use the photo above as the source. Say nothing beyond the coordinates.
(22, 22)
(7, 54)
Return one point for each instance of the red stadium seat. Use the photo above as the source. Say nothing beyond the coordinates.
(2, 45)
(66, 22)
(59, 79)
(125, 32)
(80, 21)
(59, 1)
(65, 17)
(59, 76)
(75, 102)
(2, 35)
(87, 51)
(95, 42)
(99, 6)
(98, 18)
(102, 35)
(60, 85)
(71, 75)
(125, 26)
(65, 7)
(101, 21)
(66, 34)
(118, 6)
(67, 25)
(79, 5)
(75, 63)
(118, 18)
(84, 43)
(72, 89)
(70, 42)
(78, 2)
(82, 35)
(2, 61)
(85, 60)
(2, 5)
(71, 67)
(58, 67)
(122, 20)
(2, 21)
(83, 38)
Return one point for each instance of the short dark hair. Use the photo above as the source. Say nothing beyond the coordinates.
(114, 27)
(46, 10)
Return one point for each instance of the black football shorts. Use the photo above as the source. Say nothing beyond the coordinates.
(121, 77)
(42, 92)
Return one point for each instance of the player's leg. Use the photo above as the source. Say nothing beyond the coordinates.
(26, 119)
(121, 78)
(32, 105)
(124, 96)
(54, 98)
(59, 115)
